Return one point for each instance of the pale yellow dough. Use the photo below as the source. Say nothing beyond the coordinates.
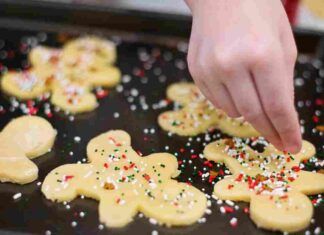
(34, 135)
(197, 115)
(24, 138)
(93, 51)
(126, 184)
(271, 181)
(105, 76)
(15, 167)
(29, 84)
(42, 56)
(73, 97)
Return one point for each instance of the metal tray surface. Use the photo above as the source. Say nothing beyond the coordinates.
(148, 68)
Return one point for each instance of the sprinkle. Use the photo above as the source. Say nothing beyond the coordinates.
(100, 227)
(77, 139)
(154, 232)
(74, 223)
(233, 222)
(17, 196)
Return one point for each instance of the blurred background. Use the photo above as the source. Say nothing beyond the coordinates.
(306, 14)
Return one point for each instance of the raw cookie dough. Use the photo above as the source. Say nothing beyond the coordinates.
(126, 184)
(73, 97)
(90, 49)
(271, 181)
(25, 85)
(15, 167)
(34, 135)
(44, 56)
(197, 115)
(22, 139)
(105, 76)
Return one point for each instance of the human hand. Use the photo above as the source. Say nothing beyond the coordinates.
(242, 55)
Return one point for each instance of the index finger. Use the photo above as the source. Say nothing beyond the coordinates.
(273, 82)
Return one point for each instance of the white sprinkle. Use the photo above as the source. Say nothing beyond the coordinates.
(100, 227)
(77, 139)
(39, 183)
(17, 196)
(317, 230)
(74, 224)
(154, 232)
(233, 221)
(82, 214)
(153, 221)
(116, 115)
(48, 232)
(229, 202)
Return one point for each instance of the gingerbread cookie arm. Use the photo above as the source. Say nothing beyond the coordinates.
(15, 167)
(309, 183)
(215, 151)
(229, 188)
(290, 214)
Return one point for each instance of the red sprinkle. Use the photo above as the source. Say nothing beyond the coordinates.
(68, 177)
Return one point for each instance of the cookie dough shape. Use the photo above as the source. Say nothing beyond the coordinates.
(25, 85)
(197, 115)
(73, 97)
(22, 139)
(34, 135)
(125, 183)
(105, 76)
(89, 51)
(271, 181)
(40, 56)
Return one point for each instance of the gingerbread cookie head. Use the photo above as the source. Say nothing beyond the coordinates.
(73, 97)
(22, 139)
(126, 183)
(197, 115)
(89, 51)
(271, 181)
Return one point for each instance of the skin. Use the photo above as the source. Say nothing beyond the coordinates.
(242, 55)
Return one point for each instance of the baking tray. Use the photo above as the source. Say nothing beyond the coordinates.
(32, 213)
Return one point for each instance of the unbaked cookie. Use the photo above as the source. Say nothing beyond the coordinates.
(44, 56)
(197, 115)
(89, 51)
(34, 135)
(28, 84)
(126, 184)
(271, 181)
(24, 138)
(73, 97)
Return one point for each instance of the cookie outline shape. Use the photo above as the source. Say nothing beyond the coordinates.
(125, 183)
(198, 115)
(271, 182)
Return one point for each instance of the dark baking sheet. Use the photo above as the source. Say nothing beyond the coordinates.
(32, 213)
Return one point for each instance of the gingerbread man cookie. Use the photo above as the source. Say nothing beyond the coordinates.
(69, 74)
(22, 139)
(271, 181)
(125, 183)
(197, 115)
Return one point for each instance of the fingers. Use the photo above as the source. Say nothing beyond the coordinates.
(248, 104)
(224, 99)
(273, 85)
(202, 70)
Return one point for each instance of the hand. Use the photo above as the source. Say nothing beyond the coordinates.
(242, 55)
